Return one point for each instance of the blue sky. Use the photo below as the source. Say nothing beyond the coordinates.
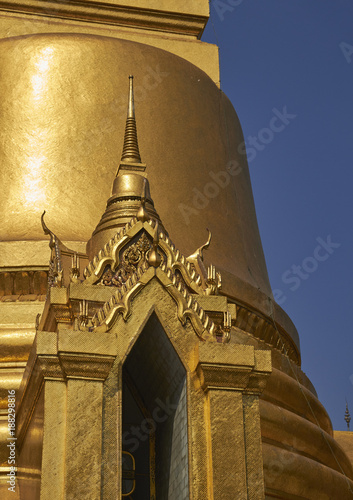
(298, 55)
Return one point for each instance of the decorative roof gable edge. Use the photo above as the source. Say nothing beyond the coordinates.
(187, 305)
(109, 255)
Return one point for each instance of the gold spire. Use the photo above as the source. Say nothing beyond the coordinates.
(347, 416)
(131, 195)
(131, 153)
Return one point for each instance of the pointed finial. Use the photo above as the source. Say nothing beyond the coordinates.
(131, 153)
(47, 231)
(141, 213)
(199, 252)
(154, 258)
(347, 416)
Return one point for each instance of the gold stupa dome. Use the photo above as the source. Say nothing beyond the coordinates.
(63, 137)
(63, 111)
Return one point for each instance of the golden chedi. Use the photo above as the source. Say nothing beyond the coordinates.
(146, 324)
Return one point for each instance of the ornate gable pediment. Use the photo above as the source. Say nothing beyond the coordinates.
(128, 262)
(130, 249)
(140, 252)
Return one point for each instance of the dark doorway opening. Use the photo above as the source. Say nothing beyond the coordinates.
(154, 434)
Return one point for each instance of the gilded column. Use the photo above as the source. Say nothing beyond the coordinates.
(63, 386)
(233, 376)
